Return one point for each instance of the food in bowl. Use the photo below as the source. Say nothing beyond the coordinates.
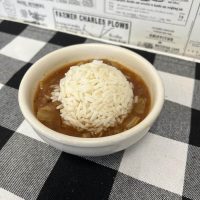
(92, 98)
(96, 146)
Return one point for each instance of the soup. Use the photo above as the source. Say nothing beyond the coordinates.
(48, 112)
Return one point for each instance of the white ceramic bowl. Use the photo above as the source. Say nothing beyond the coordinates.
(91, 146)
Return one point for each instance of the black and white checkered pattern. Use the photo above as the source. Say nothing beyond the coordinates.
(165, 164)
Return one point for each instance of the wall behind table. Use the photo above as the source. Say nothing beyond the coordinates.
(164, 26)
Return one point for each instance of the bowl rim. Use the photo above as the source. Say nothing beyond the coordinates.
(91, 142)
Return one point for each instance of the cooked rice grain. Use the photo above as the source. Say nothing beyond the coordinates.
(94, 96)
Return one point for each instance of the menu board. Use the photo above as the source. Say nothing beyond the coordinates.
(169, 26)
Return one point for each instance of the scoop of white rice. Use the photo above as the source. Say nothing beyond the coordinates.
(94, 96)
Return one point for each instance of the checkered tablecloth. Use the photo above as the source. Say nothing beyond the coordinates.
(165, 164)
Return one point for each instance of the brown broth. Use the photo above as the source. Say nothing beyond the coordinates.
(43, 102)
